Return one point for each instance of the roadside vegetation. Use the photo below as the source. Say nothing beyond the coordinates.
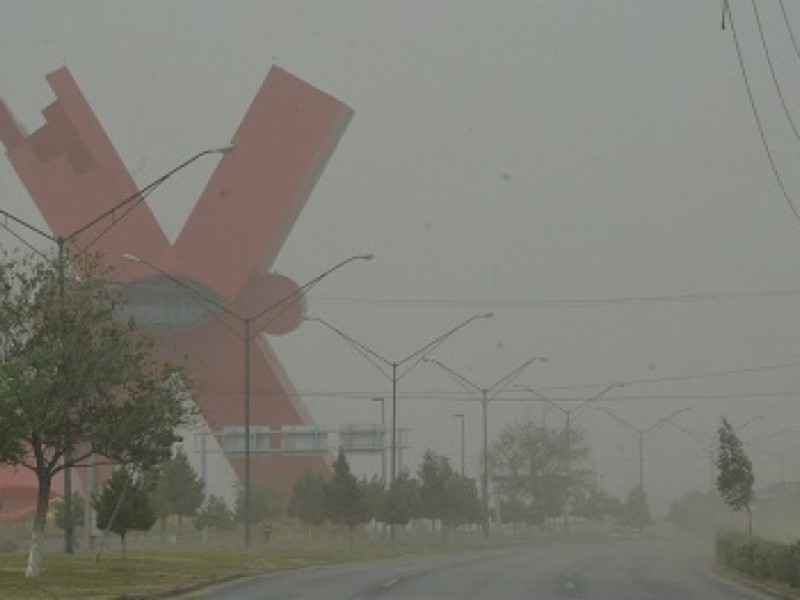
(77, 384)
(80, 389)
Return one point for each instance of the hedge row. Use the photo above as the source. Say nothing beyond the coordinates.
(759, 558)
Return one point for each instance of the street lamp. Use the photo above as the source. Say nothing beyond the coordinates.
(461, 417)
(643, 432)
(417, 356)
(484, 394)
(567, 414)
(61, 242)
(383, 439)
(247, 321)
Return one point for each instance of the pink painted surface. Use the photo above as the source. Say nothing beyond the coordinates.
(229, 242)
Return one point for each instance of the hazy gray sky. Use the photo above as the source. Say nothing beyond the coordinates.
(551, 161)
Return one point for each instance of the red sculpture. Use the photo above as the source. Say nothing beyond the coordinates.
(226, 247)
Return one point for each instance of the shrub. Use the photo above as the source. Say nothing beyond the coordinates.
(760, 558)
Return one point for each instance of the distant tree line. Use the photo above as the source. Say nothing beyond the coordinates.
(438, 494)
(537, 478)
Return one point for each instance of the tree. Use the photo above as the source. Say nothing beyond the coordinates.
(735, 477)
(445, 495)
(635, 511)
(433, 474)
(78, 507)
(464, 504)
(215, 514)
(529, 462)
(402, 501)
(345, 499)
(598, 505)
(74, 380)
(175, 489)
(124, 506)
(265, 504)
(307, 502)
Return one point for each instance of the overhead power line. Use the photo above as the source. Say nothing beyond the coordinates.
(789, 28)
(774, 75)
(754, 108)
(555, 302)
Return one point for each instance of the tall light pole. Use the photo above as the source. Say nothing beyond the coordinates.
(567, 414)
(642, 432)
(485, 395)
(61, 242)
(460, 416)
(417, 356)
(247, 322)
(383, 439)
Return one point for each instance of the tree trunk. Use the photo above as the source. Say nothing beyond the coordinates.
(749, 521)
(124, 547)
(34, 567)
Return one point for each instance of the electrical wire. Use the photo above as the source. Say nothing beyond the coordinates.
(774, 75)
(789, 28)
(22, 240)
(465, 396)
(757, 117)
(552, 302)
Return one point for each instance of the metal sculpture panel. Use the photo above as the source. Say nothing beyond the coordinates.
(227, 246)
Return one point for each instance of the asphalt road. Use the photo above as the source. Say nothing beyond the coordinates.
(620, 570)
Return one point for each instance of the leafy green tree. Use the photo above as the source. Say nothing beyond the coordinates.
(307, 502)
(463, 504)
(735, 477)
(175, 489)
(75, 380)
(215, 514)
(78, 508)
(434, 474)
(529, 462)
(636, 511)
(124, 506)
(345, 498)
(266, 504)
(598, 505)
(376, 496)
(402, 501)
(445, 495)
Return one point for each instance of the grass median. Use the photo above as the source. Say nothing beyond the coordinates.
(163, 571)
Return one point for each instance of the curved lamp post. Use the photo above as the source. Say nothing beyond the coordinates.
(485, 395)
(567, 414)
(61, 242)
(247, 321)
(642, 432)
(417, 356)
(460, 417)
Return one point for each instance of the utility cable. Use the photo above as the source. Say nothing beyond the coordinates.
(757, 117)
(553, 302)
(789, 28)
(775, 81)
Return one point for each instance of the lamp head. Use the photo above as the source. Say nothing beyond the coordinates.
(221, 149)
